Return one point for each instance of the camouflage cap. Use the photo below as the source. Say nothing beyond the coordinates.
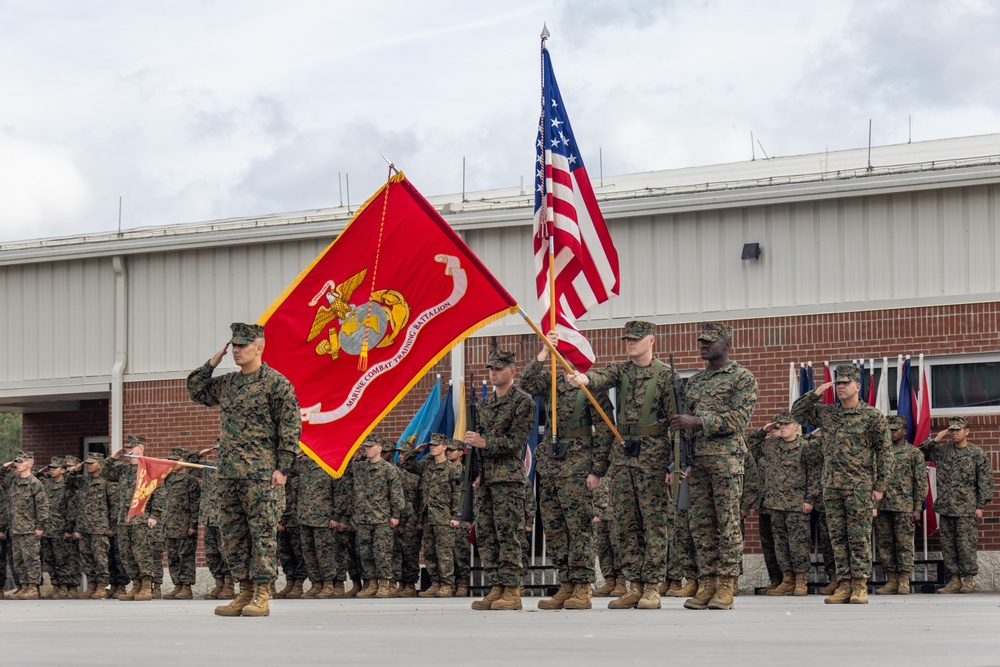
(57, 462)
(70, 461)
(637, 330)
(715, 331)
(376, 440)
(23, 456)
(957, 423)
(500, 359)
(895, 422)
(439, 439)
(784, 418)
(94, 457)
(178, 454)
(135, 441)
(244, 334)
(848, 373)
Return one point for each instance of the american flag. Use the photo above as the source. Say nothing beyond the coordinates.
(566, 210)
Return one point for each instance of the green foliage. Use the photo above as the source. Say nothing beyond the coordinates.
(10, 435)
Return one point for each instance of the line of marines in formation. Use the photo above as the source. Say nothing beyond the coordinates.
(600, 501)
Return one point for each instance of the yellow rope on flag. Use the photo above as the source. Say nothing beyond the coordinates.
(363, 356)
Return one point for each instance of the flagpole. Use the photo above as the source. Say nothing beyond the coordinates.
(569, 369)
(550, 232)
(182, 464)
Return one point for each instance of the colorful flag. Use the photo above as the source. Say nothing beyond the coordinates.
(367, 318)
(829, 396)
(418, 431)
(922, 432)
(906, 402)
(567, 215)
(443, 422)
(793, 384)
(882, 396)
(529, 449)
(872, 393)
(149, 474)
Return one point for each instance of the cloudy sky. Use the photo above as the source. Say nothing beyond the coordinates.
(194, 110)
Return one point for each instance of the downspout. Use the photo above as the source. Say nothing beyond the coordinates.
(121, 352)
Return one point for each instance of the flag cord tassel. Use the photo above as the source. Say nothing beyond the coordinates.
(363, 355)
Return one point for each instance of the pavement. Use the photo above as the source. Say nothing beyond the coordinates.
(914, 630)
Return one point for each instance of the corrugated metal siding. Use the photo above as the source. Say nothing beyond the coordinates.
(841, 253)
(58, 320)
(182, 303)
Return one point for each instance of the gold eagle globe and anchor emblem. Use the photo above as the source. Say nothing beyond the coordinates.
(383, 315)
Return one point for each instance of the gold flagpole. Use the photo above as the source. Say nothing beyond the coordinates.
(550, 232)
(569, 369)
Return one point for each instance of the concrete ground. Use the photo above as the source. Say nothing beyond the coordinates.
(915, 630)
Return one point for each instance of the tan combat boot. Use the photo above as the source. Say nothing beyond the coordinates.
(354, 590)
(509, 601)
(295, 592)
(891, 584)
(327, 592)
(228, 589)
(382, 590)
(663, 588)
(631, 599)
(72, 592)
(430, 592)
(736, 586)
(129, 596)
(581, 598)
(462, 591)
(954, 585)
(258, 605)
(185, 593)
(801, 584)
(155, 591)
(621, 588)
(487, 602)
(338, 590)
(30, 592)
(235, 608)
(904, 582)
(85, 595)
(675, 585)
(314, 590)
(650, 597)
(61, 593)
(786, 587)
(859, 591)
(829, 589)
(170, 595)
(145, 591)
(773, 585)
(605, 590)
(283, 593)
(842, 594)
(723, 598)
(685, 591)
(410, 591)
(706, 591)
(370, 589)
(968, 584)
(564, 593)
(100, 594)
(214, 593)
(446, 591)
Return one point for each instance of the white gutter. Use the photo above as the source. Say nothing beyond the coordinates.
(121, 352)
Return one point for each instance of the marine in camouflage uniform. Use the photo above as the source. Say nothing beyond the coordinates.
(377, 502)
(314, 514)
(93, 523)
(899, 510)
(58, 550)
(208, 513)
(567, 471)
(640, 493)
(749, 501)
(462, 532)
(720, 401)
(74, 482)
(440, 503)
(407, 535)
(289, 549)
(27, 511)
(138, 542)
(786, 481)
(814, 461)
(258, 440)
(605, 539)
(965, 486)
(182, 498)
(855, 468)
(348, 560)
(504, 420)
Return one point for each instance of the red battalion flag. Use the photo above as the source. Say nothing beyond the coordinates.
(923, 431)
(376, 310)
(149, 474)
(568, 217)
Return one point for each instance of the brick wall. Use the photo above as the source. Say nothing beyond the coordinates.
(48, 434)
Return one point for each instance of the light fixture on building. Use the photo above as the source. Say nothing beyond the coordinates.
(751, 251)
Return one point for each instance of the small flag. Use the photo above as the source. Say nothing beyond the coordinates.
(149, 474)
(419, 429)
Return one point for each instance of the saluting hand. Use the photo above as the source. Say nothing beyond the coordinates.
(820, 390)
(217, 357)
(943, 436)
